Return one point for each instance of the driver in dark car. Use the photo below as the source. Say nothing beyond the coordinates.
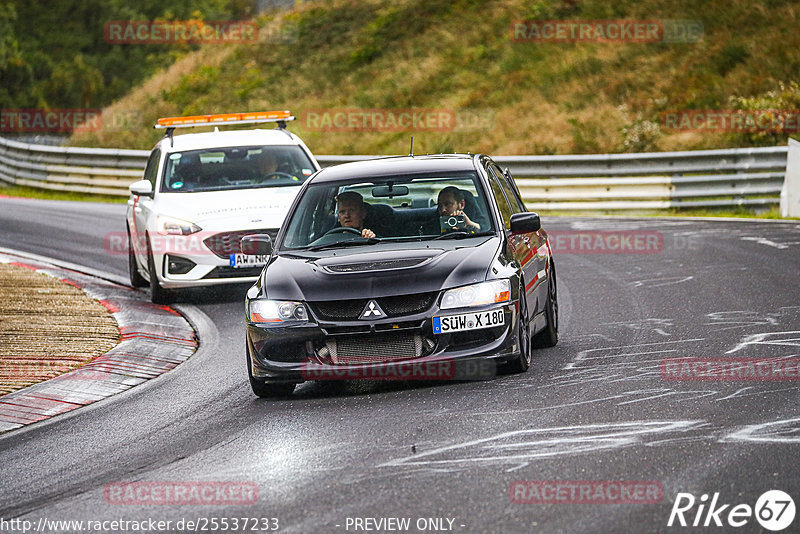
(351, 212)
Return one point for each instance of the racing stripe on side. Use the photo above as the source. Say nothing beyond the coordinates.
(527, 257)
(538, 278)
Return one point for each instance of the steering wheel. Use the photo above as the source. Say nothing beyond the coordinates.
(343, 230)
(276, 174)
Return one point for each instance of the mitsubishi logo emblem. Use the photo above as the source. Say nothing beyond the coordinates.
(372, 310)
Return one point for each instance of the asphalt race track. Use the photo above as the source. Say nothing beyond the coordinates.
(598, 407)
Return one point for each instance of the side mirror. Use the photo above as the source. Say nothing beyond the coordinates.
(256, 245)
(142, 188)
(523, 223)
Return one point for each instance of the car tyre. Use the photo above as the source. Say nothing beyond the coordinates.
(522, 362)
(136, 278)
(549, 336)
(158, 295)
(263, 389)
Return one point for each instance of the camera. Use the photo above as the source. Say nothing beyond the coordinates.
(451, 222)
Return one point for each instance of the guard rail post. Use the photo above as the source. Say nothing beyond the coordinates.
(790, 195)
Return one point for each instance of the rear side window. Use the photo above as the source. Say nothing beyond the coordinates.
(513, 197)
(502, 202)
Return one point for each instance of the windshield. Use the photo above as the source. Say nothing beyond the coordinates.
(389, 209)
(216, 169)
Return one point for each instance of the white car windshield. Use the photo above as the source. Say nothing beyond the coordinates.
(393, 209)
(215, 169)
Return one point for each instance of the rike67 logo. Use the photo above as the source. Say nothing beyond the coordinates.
(774, 510)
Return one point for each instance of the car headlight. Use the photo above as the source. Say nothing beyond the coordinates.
(477, 294)
(172, 226)
(275, 311)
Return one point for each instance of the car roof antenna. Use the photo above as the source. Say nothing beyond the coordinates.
(411, 150)
(170, 132)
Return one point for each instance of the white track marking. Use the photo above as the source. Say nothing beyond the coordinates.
(783, 431)
(584, 356)
(521, 446)
(791, 339)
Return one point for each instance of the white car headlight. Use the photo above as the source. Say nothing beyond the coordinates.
(477, 294)
(172, 226)
(275, 311)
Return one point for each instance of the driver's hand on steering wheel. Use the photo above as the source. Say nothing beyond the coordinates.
(366, 232)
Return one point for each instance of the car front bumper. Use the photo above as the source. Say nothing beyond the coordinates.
(202, 259)
(346, 350)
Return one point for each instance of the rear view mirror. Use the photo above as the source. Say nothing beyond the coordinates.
(523, 223)
(142, 188)
(256, 244)
(389, 191)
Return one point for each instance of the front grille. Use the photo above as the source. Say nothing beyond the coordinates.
(407, 304)
(375, 265)
(375, 348)
(233, 272)
(338, 310)
(226, 243)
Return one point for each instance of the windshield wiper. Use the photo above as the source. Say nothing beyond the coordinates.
(351, 243)
(461, 235)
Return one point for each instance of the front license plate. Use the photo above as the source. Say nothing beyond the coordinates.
(246, 260)
(468, 321)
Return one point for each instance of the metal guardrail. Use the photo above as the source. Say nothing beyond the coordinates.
(82, 170)
(657, 180)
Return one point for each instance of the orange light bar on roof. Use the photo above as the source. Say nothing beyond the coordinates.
(224, 118)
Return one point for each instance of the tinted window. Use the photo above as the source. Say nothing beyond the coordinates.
(217, 169)
(502, 203)
(403, 208)
(517, 206)
(151, 170)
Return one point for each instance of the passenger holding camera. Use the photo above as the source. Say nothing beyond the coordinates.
(451, 204)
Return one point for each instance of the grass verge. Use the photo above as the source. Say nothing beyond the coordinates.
(47, 194)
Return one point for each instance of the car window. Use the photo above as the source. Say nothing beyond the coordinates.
(249, 167)
(400, 208)
(517, 206)
(502, 202)
(151, 170)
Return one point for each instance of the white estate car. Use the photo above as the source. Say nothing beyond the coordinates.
(202, 192)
